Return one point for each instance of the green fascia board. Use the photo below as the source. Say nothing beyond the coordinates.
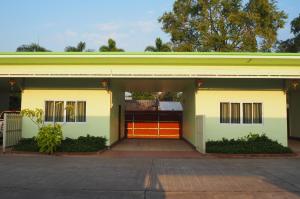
(152, 53)
(184, 59)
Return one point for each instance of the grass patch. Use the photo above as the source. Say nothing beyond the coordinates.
(82, 144)
(251, 144)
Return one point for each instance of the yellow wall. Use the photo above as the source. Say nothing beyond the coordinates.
(97, 110)
(274, 113)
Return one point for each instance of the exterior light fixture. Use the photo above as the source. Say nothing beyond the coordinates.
(12, 82)
(295, 84)
(104, 83)
(199, 83)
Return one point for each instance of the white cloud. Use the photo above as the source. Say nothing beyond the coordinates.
(69, 33)
(146, 26)
(108, 26)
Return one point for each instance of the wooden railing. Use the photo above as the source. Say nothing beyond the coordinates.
(12, 129)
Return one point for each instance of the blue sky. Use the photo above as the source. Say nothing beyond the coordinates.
(58, 23)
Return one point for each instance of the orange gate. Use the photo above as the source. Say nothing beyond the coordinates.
(153, 124)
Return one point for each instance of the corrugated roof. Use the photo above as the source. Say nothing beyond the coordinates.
(170, 106)
(140, 105)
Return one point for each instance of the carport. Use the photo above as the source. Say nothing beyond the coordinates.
(147, 119)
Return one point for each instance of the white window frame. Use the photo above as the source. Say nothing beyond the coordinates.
(241, 113)
(65, 112)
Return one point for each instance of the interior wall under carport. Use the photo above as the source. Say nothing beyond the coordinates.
(116, 121)
(6, 91)
(189, 113)
(294, 113)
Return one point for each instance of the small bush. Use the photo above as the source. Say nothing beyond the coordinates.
(82, 144)
(49, 138)
(251, 144)
(27, 144)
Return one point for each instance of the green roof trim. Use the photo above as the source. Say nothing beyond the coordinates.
(152, 53)
(155, 59)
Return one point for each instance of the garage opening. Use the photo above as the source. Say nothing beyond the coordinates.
(153, 119)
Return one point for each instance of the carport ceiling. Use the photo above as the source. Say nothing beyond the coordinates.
(154, 85)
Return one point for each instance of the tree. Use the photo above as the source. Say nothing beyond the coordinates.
(141, 95)
(111, 47)
(159, 46)
(79, 48)
(223, 25)
(293, 44)
(33, 47)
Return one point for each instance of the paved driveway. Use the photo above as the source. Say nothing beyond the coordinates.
(95, 177)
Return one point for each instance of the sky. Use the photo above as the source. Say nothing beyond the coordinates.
(56, 24)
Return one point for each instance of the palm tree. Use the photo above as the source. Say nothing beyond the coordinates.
(159, 46)
(79, 48)
(111, 47)
(33, 47)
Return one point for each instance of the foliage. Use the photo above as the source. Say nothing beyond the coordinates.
(33, 47)
(79, 48)
(171, 96)
(223, 25)
(111, 47)
(159, 46)
(141, 95)
(82, 144)
(27, 144)
(251, 144)
(49, 137)
(36, 116)
(162, 96)
(293, 44)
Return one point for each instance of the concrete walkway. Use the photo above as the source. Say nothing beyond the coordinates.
(140, 178)
(294, 145)
(152, 145)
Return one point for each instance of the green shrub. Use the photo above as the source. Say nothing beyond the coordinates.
(49, 138)
(82, 144)
(27, 144)
(250, 144)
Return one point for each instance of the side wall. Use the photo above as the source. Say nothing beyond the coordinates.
(118, 99)
(274, 113)
(188, 126)
(97, 110)
(4, 101)
(294, 114)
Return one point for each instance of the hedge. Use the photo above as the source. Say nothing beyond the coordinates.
(251, 144)
(81, 144)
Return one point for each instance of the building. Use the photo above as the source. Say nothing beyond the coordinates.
(224, 94)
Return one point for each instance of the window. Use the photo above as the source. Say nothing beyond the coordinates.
(231, 113)
(81, 112)
(225, 112)
(70, 112)
(235, 113)
(257, 113)
(49, 111)
(59, 111)
(247, 113)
